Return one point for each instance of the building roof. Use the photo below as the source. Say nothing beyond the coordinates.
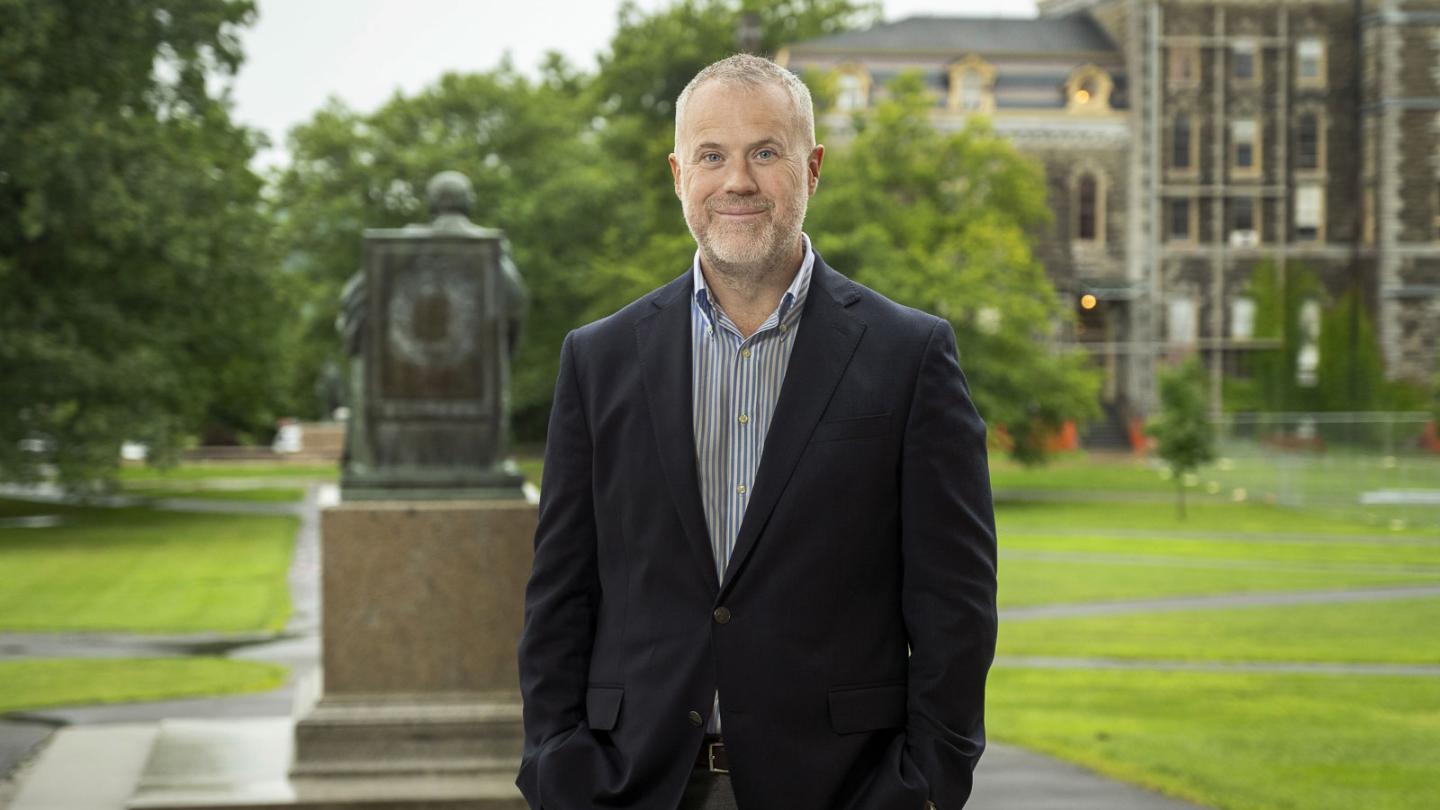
(971, 34)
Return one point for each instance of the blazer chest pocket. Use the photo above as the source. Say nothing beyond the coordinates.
(602, 706)
(853, 427)
(867, 708)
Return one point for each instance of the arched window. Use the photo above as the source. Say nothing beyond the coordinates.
(1087, 209)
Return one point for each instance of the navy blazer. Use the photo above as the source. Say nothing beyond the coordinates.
(859, 618)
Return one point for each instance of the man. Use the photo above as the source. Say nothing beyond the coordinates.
(765, 564)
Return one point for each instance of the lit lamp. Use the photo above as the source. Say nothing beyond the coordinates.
(1087, 301)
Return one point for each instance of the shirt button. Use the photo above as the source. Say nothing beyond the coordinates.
(722, 615)
(745, 352)
(744, 419)
(740, 489)
(784, 328)
(696, 720)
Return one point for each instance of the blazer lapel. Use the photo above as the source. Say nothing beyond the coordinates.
(664, 351)
(823, 348)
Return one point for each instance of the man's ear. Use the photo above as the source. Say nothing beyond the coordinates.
(675, 172)
(812, 165)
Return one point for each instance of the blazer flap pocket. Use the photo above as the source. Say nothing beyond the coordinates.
(602, 706)
(852, 427)
(867, 708)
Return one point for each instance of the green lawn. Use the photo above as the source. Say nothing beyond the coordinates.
(50, 682)
(212, 493)
(1234, 741)
(1030, 581)
(144, 570)
(1402, 631)
(1080, 472)
(1208, 514)
(201, 471)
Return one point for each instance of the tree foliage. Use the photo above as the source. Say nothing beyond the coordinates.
(138, 298)
(572, 167)
(1182, 427)
(1350, 374)
(944, 222)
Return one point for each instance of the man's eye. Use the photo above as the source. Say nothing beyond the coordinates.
(765, 154)
(710, 157)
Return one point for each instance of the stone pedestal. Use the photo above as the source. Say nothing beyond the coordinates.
(420, 708)
(423, 605)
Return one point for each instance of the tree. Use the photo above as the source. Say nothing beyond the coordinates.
(945, 223)
(1182, 427)
(573, 167)
(137, 296)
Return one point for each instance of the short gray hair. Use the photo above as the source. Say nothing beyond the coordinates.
(753, 71)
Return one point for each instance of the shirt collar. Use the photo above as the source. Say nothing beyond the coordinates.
(799, 286)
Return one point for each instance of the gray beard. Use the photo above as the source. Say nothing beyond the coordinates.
(743, 260)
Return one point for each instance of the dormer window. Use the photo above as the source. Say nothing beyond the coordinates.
(972, 91)
(1088, 90)
(972, 86)
(853, 90)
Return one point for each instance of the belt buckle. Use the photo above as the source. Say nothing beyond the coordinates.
(710, 755)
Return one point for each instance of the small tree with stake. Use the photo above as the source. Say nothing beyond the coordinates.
(1182, 428)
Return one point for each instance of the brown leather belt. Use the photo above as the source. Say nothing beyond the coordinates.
(712, 756)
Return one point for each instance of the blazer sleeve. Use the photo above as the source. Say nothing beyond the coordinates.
(564, 588)
(949, 559)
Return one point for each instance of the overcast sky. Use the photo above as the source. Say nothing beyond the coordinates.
(301, 52)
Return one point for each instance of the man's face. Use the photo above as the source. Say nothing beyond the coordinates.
(744, 171)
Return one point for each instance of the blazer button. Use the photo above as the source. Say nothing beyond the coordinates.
(722, 615)
(696, 719)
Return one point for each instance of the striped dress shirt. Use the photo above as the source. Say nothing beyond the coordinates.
(735, 382)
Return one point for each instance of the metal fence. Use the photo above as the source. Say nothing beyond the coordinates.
(1383, 468)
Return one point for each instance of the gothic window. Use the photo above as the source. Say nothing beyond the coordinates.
(1180, 143)
(1243, 227)
(1309, 213)
(1181, 327)
(1245, 146)
(1242, 318)
(1180, 230)
(972, 85)
(1086, 228)
(1307, 141)
(1242, 61)
(1184, 66)
(1310, 62)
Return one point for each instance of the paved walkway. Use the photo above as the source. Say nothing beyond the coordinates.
(1218, 602)
(296, 647)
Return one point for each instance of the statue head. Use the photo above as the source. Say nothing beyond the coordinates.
(450, 193)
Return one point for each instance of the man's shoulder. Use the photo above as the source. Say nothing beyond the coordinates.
(877, 309)
(621, 323)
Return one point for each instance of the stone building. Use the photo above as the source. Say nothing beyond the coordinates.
(1184, 142)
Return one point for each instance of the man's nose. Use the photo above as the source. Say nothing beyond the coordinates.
(740, 179)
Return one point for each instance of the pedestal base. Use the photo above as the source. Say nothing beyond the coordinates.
(354, 737)
(241, 765)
